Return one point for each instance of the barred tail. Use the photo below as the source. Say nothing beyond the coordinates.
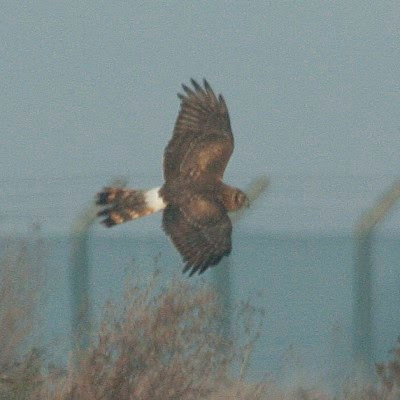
(122, 205)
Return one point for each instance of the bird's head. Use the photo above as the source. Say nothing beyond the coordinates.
(238, 200)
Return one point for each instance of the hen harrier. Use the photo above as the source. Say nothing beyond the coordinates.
(195, 200)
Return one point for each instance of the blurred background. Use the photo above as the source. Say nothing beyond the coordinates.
(88, 93)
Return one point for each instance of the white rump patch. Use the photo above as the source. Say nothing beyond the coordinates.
(154, 200)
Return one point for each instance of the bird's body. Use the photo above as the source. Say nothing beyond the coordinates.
(194, 199)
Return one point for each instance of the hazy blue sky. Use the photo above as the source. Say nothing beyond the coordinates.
(88, 91)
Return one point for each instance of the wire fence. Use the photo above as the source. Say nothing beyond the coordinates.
(296, 203)
(271, 250)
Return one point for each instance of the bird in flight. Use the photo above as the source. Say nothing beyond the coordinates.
(194, 199)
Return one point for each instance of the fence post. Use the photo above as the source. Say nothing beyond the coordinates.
(222, 274)
(362, 307)
(80, 279)
(80, 276)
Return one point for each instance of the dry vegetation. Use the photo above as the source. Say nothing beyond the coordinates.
(20, 276)
(164, 344)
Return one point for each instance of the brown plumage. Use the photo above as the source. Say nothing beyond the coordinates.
(194, 198)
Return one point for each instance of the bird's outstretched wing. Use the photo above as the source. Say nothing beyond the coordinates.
(202, 142)
(200, 230)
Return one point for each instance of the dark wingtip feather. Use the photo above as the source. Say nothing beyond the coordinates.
(207, 85)
(101, 198)
(108, 222)
(193, 271)
(180, 96)
(203, 268)
(186, 268)
(193, 268)
(187, 90)
(209, 91)
(102, 213)
(196, 85)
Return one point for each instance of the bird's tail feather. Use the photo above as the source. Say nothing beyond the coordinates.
(122, 205)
